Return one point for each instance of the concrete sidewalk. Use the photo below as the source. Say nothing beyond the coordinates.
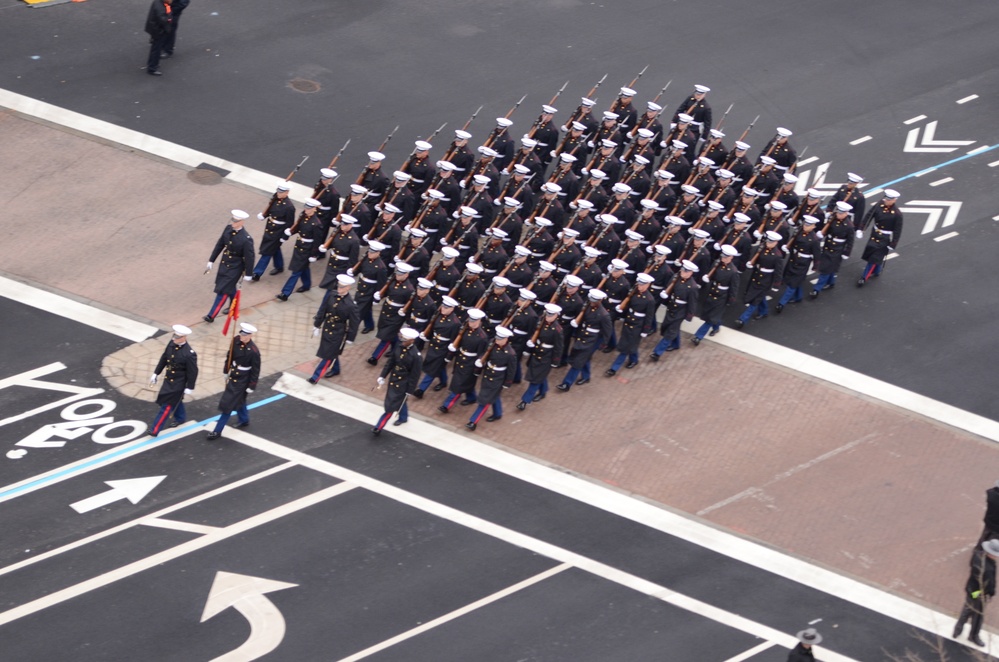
(871, 490)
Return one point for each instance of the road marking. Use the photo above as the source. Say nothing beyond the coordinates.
(429, 625)
(934, 210)
(913, 120)
(804, 162)
(745, 655)
(924, 172)
(672, 523)
(29, 379)
(944, 237)
(133, 489)
(157, 516)
(891, 256)
(942, 181)
(978, 150)
(928, 142)
(53, 476)
(967, 99)
(57, 304)
(880, 187)
(995, 218)
(175, 525)
(359, 408)
(172, 553)
(860, 140)
(994, 164)
(247, 595)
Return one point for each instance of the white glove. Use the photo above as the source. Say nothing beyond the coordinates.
(619, 309)
(208, 267)
(391, 265)
(676, 263)
(350, 272)
(573, 324)
(350, 342)
(287, 232)
(188, 391)
(705, 278)
(497, 203)
(663, 295)
(377, 296)
(585, 171)
(402, 313)
(247, 277)
(443, 241)
(478, 363)
(364, 237)
(717, 246)
(644, 335)
(408, 226)
(860, 234)
(589, 143)
(323, 249)
(785, 248)
(451, 347)
(249, 390)
(472, 259)
(648, 249)
(421, 336)
(381, 380)
(530, 344)
(756, 233)
(820, 235)
(315, 332)
(260, 217)
(153, 378)
(461, 183)
(313, 259)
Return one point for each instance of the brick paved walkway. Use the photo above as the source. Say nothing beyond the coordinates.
(845, 481)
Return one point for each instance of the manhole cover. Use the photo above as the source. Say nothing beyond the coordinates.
(204, 176)
(304, 85)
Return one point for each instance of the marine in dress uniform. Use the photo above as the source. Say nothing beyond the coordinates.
(522, 320)
(354, 205)
(470, 288)
(549, 206)
(649, 120)
(565, 178)
(633, 255)
(539, 241)
(780, 150)
(676, 162)
(804, 246)
(328, 197)
(497, 366)
(438, 334)
(850, 194)
(767, 265)
(371, 274)
(544, 349)
(446, 274)
(394, 295)
(464, 236)
(434, 219)
(279, 216)
(573, 145)
(386, 231)
(399, 195)
(448, 186)
(415, 254)
(616, 286)
(501, 142)
(606, 161)
(546, 135)
(181, 365)
(372, 178)
(836, 246)
(420, 309)
(569, 297)
(492, 256)
(680, 297)
(544, 284)
(311, 235)
(467, 348)
(335, 324)
(343, 250)
(402, 373)
(625, 109)
(637, 311)
(243, 371)
(460, 155)
(479, 199)
(886, 220)
(715, 149)
(591, 327)
(235, 247)
(697, 107)
(518, 271)
(722, 285)
(419, 169)
(496, 303)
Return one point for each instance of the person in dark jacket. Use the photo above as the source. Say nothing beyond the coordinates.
(177, 8)
(159, 27)
(593, 327)
(466, 347)
(235, 247)
(803, 651)
(438, 334)
(721, 285)
(311, 236)
(497, 364)
(243, 371)
(279, 216)
(981, 586)
(543, 352)
(638, 310)
(836, 247)
(181, 365)
(336, 324)
(402, 372)
(887, 221)
(991, 519)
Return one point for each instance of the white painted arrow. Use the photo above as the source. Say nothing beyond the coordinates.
(133, 489)
(928, 144)
(246, 595)
(934, 209)
(819, 183)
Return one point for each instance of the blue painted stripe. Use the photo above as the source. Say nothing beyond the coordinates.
(133, 447)
(939, 165)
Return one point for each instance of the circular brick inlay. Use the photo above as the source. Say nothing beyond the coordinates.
(204, 176)
(304, 85)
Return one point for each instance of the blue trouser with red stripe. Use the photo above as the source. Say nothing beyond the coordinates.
(497, 406)
(179, 414)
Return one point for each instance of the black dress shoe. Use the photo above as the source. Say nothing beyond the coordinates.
(466, 402)
(442, 409)
(155, 73)
(275, 271)
(175, 423)
(582, 380)
(368, 330)
(976, 640)
(607, 350)
(375, 431)
(610, 372)
(282, 297)
(208, 318)
(303, 288)
(521, 406)
(493, 418)
(372, 360)
(653, 357)
(470, 426)
(713, 332)
(240, 426)
(696, 341)
(165, 56)
(213, 435)
(760, 317)
(256, 277)
(418, 394)
(563, 387)
(630, 364)
(958, 627)
(331, 373)
(738, 324)
(813, 295)
(439, 387)
(829, 286)
(860, 283)
(778, 308)
(539, 397)
(313, 380)
(397, 422)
